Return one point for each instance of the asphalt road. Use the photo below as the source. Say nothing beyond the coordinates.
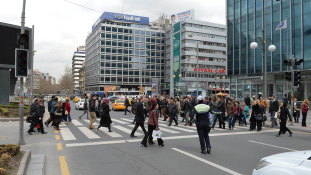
(233, 151)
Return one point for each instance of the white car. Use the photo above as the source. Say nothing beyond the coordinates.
(288, 163)
(80, 104)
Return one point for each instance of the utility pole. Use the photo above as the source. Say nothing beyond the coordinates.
(21, 96)
(197, 69)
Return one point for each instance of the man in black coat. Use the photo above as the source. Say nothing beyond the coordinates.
(164, 108)
(139, 117)
(274, 107)
(37, 114)
(172, 112)
(296, 108)
(126, 104)
(248, 101)
(49, 109)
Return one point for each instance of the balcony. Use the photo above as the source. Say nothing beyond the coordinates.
(201, 62)
(211, 55)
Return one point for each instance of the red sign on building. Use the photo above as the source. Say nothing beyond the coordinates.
(209, 70)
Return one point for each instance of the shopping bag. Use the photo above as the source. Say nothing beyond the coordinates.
(156, 134)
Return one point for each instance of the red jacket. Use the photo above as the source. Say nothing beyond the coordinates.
(67, 107)
(153, 118)
(151, 102)
(304, 108)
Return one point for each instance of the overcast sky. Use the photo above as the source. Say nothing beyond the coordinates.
(60, 27)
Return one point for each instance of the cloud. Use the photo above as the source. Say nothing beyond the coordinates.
(62, 26)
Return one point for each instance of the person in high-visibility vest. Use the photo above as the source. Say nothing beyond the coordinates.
(201, 119)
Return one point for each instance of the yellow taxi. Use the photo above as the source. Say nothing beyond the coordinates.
(118, 105)
(76, 99)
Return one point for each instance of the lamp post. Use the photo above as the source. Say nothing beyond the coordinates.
(271, 48)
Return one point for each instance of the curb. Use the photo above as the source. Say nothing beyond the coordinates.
(10, 119)
(291, 128)
(36, 165)
(24, 163)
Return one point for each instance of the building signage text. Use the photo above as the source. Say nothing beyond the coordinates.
(209, 70)
(128, 18)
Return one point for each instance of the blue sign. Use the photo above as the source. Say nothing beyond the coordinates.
(120, 17)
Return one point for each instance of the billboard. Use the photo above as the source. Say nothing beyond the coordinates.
(176, 17)
(120, 17)
(176, 58)
(154, 88)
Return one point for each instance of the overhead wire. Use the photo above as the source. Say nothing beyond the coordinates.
(83, 6)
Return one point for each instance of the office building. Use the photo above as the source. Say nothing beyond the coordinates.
(202, 43)
(246, 19)
(123, 52)
(77, 59)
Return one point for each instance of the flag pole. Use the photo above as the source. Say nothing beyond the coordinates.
(287, 50)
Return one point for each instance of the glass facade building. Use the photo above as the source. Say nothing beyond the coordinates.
(248, 19)
(125, 54)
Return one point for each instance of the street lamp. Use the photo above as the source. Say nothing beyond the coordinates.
(271, 48)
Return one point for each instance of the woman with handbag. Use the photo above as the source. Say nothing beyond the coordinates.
(152, 125)
(256, 117)
(304, 111)
(283, 114)
(245, 113)
(58, 115)
(105, 119)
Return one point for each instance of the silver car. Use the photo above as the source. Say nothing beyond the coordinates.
(80, 104)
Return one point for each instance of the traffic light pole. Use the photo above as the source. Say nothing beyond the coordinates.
(21, 84)
(292, 81)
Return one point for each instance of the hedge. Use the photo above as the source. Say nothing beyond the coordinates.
(4, 111)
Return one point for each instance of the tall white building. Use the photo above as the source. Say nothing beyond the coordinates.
(77, 60)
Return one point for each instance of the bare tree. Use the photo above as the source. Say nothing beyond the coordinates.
(67, 80)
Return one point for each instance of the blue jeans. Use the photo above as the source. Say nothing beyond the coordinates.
(177, 116)
(212, 119)
(69, 118)
(244, 120)
(126, 110)
(230, 122)
(219, 117)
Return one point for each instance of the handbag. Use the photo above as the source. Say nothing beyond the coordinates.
(258, 117)
(156, 134)
(29, 119)
(247, 113)
(66, 112)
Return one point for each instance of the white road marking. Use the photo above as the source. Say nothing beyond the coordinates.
(88, 133)
(272, 145)
(119, 121)
(162, 129)
(125, 130)
(208, 162)
(111, 134)
(177, 128)
(76, 123)
(129, 120)
(88, 121)
(94, 143)
(67, 134)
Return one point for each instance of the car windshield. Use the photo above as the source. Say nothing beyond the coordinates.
(82, 100)
(120, 101)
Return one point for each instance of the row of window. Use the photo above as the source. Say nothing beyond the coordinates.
(204, 66)
(131, 31)
(204, 27)
(134, 66)
(194, 58)
(133, 59)
(205, 76)
(132, 52)
(127, 24)
(204, 51)
(126, 72)
(204, 43)
(192, 34)
(131, 38)
(125, 80)
(136, 45)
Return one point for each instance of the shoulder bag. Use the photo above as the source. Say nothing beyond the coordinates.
(258, 117)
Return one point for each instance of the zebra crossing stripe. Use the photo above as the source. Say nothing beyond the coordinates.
(88, 121)
(88, 133)
(129, 120)
(119, 121)
(125, 130)
(76, 123)
(67, 134)
(178, 128)
(111, 134)
(163, 129)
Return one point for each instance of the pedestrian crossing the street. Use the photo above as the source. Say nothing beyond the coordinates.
(79, 130)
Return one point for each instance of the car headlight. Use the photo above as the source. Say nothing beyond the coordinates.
(262, 164)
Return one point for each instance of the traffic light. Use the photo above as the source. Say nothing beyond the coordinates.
(21, 62)
(298, 61)
(22, 39)
(296, 78)
(288, 62)
(288, 76)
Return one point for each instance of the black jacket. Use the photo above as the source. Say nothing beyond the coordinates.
(164, 104)
(284, 113)
(256, 109)
(49, 104)
(193, 103)
(247, 101)
(42, 111)
(34, 109)
(186, 106)
(139, 117)
(92, 105)
(219, 106)
(274, 106)
(105, 118)
(85, 105)
(172, 110)
(159, 103)
(126, 103)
